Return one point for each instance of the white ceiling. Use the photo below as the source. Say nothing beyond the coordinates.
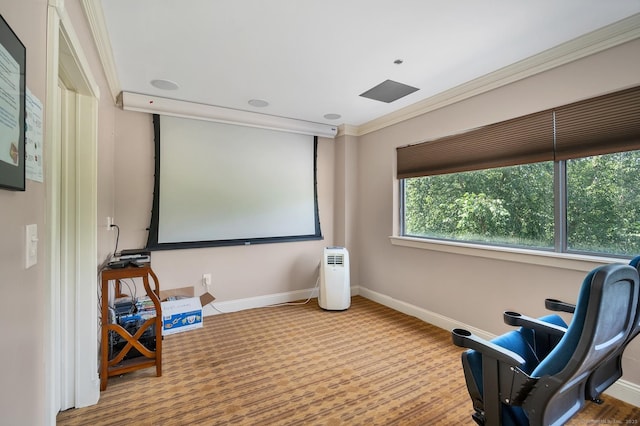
(311, 58)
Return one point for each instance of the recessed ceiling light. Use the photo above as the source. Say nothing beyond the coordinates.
(332, 116)
(165, 84)
(259, 103)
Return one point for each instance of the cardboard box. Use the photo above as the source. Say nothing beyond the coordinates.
(181, 315)
(183, 312)
(177, 293)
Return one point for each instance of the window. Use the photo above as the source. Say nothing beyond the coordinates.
(565, 179)
(603, 204)
(507, 205)
(515, 205)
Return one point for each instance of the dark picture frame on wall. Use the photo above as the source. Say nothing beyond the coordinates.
(13, 57)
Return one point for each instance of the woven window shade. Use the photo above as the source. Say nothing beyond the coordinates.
(522, 140)
(602, 125)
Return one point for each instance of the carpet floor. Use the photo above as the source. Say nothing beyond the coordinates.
(300, 365)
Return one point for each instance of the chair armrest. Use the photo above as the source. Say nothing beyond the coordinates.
(503, 380)
(466, 339)
(519, 320)
(559, 306)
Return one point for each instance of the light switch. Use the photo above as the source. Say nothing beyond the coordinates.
(31, 245)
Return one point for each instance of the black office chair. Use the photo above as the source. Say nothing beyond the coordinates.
(510, 385)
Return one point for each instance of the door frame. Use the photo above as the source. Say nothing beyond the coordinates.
(67, 62)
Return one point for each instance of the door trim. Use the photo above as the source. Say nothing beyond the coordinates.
(65, 57)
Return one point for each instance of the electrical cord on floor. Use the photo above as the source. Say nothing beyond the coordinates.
(279, 304)
(216, 308)
(298, 303)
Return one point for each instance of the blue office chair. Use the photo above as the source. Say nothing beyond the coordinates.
(542, 334)
(532, 341)
(610, 370)
(510, 385)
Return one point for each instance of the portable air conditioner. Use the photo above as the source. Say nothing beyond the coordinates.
(335, 286)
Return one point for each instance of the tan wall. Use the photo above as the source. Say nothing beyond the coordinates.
(238, 271)
(24, 302)
(475, 290)
(23, 290)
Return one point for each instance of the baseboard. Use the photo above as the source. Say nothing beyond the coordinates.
(216, 308)
(625, 391)
(622, 389)
(423, 314)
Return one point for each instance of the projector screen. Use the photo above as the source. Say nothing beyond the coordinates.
(222, 184)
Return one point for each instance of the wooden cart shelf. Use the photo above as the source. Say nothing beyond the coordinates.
(117, 364)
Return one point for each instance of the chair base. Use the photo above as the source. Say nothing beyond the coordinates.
(478, 418)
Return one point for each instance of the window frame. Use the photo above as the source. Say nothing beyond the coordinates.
(559, 250)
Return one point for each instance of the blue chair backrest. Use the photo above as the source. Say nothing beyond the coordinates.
(603, 319)
(561, 354)
(611, 370)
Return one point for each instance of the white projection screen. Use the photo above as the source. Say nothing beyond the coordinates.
(222, 184)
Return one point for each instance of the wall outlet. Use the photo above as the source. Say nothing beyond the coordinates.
(109, 222)
(206, 280)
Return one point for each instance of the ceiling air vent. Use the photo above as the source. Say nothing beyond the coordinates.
(388, 91)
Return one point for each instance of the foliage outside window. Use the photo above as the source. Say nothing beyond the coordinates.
(507, 205)
(515, 205)
(603, 204)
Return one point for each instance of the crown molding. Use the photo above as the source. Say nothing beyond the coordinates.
(613, 35)
(347, 130)
(95, 17)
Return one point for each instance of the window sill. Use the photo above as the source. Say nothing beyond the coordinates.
(535, 257)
